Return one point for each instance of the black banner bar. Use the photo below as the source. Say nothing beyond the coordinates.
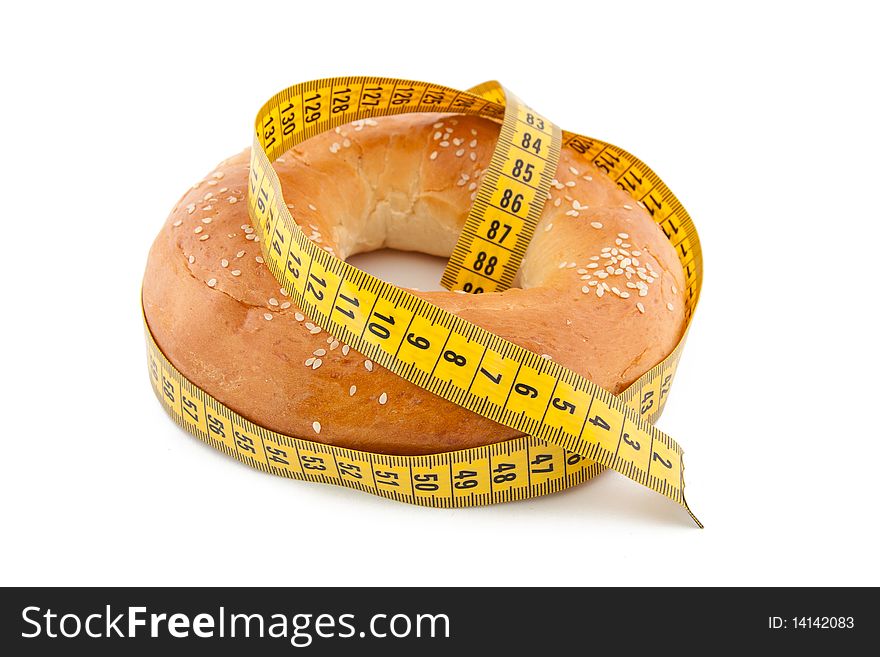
(429, 621)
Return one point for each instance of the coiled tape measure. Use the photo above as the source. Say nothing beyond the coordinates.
(572, 429)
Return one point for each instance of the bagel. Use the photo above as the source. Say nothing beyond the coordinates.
(599, 289)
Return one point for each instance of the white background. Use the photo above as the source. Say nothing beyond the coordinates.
(763, 119)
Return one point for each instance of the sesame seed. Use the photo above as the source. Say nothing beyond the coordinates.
(204, 237)
(546, 357)
(588, 178)
(473, 143)
(191, 208)
(600, 291)
(459, 152)
(312, 208)
(309, 361)
(284, 293)
(458, 141)
(437, 135)
(191, 259)
(444, 144)
(315, 331)
(439, 124)
(369, 365)
(674, 289)
(473, 157)
(206, 220)
(573, 170)
(309, 325)
(383, 398)
(334, 147)
(299, 316)
(198, 229)
(318, 362)
(595, 224)
(352, 390)
(334, 344)
(236, 272)
(273, 301)
(640, 307)
(232, 199)
(623, 236)
(548, 227)
(346, 142)
(239, 254)
(669, 306)
(624, 295)
(320, 352)
(212, 282)
(585, 289)
(345, 349)
(571, 265)
(260, 259)
(224, 263)
(267, 316)
(562, 264)
(285, 305)
(572, 213)
(434, 155)
(316, 426)
(627, 207)
(177, 223)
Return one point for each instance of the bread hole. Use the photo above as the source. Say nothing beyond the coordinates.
(409, 269)
(404, 268)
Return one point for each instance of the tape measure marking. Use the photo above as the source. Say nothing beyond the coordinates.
(508, 203)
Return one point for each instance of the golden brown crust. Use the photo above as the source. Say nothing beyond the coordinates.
(220, 317)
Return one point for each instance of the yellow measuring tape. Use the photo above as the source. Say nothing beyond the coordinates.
(572, 429)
